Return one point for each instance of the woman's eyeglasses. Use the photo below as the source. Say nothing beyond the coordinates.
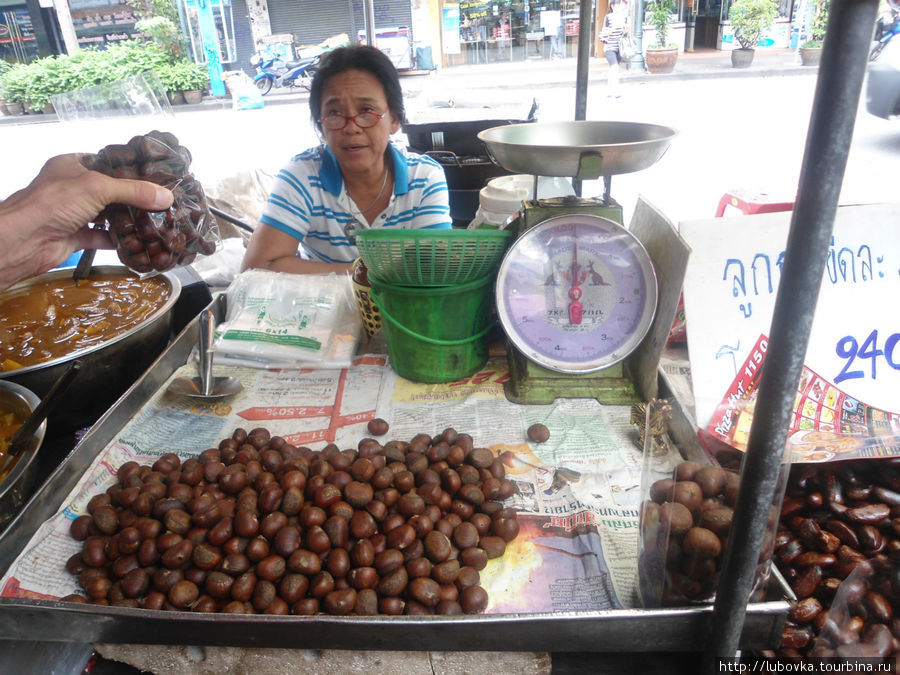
(364, 120)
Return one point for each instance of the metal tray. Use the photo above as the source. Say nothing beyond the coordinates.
(626, 630)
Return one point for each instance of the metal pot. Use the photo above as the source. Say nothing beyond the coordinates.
(460, 138)
(466, 173)
(108, 369)
(18, 484)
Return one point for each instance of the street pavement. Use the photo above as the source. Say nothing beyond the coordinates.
(475, 80)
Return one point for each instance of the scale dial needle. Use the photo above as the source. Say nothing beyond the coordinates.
(575, 308)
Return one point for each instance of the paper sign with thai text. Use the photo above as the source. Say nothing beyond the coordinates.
(854, 347)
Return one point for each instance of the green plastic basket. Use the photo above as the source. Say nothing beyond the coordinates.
(436, 334)
(431, 257)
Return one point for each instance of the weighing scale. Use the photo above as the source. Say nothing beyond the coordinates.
(576, 291)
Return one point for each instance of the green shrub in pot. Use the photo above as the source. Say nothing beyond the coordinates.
(193, 76)
(819, 25)
(660, 18)
(35, 83)
(47, 76)
(183, 76)
(4, 68)
(663, 53)
(135, 57)
(15, 83)
(164, 32)
(751, 19)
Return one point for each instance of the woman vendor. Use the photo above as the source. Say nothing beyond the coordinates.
(356, 179)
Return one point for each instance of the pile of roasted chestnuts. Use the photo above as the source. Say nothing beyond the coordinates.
(257, 525)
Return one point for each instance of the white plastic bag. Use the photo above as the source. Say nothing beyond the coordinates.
(244, 94)
(278, 320)
(626, 48)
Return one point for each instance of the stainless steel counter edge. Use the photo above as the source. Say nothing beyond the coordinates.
(678, 629)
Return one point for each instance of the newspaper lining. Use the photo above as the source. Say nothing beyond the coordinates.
(577, 494)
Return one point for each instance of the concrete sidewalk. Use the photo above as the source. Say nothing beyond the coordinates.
(537, 72)
(705, 63)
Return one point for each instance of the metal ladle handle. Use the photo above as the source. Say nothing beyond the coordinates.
(207, 334)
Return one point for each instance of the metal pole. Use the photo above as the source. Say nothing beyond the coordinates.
(370, 23)
(582, 67)
(584, 55)
(838, 87)
(690, 27)
(637, 32)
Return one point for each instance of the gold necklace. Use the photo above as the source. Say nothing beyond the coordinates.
(380, 192)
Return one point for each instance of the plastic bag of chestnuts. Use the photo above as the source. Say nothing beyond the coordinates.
(684, 524)
(156, 241)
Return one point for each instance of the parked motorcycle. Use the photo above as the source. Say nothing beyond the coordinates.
(273, 71)
(886, 27)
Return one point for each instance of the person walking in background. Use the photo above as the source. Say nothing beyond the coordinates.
(614, 27)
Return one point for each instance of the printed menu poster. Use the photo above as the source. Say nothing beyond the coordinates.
(826, 424)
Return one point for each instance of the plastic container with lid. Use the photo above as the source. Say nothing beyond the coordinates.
(501, 199)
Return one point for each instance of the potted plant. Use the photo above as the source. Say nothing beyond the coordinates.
(48, 77)
(750, 20)
(182, 77)
(163, 32)
(811, 50)
(4, 68)
(195, 80)
(663, 54)
(15, 88)
(166, 74)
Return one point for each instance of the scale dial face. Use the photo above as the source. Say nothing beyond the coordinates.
(576, 293)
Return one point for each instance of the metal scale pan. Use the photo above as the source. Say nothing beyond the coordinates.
(584, 150)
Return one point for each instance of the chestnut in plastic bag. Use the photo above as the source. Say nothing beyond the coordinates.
(157, 241)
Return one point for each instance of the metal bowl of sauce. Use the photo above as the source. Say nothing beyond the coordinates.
(114, 322)
(16, 404)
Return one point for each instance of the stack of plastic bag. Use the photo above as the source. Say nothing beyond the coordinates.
(277, 320)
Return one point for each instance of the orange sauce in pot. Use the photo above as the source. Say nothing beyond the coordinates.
(9, 424)
(49, 320)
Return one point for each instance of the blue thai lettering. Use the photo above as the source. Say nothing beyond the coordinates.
(729, 350)
(843, 255)
(768, 270)
(831, 263)
(865, 262)
(738, 285)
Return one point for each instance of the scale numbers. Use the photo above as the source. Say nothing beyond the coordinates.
(576, 293)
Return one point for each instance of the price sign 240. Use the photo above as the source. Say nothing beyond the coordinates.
(855, 354)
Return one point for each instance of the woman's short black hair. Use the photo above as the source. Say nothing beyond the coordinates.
(357, 57)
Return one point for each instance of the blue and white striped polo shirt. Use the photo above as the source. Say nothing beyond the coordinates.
(310, 202)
